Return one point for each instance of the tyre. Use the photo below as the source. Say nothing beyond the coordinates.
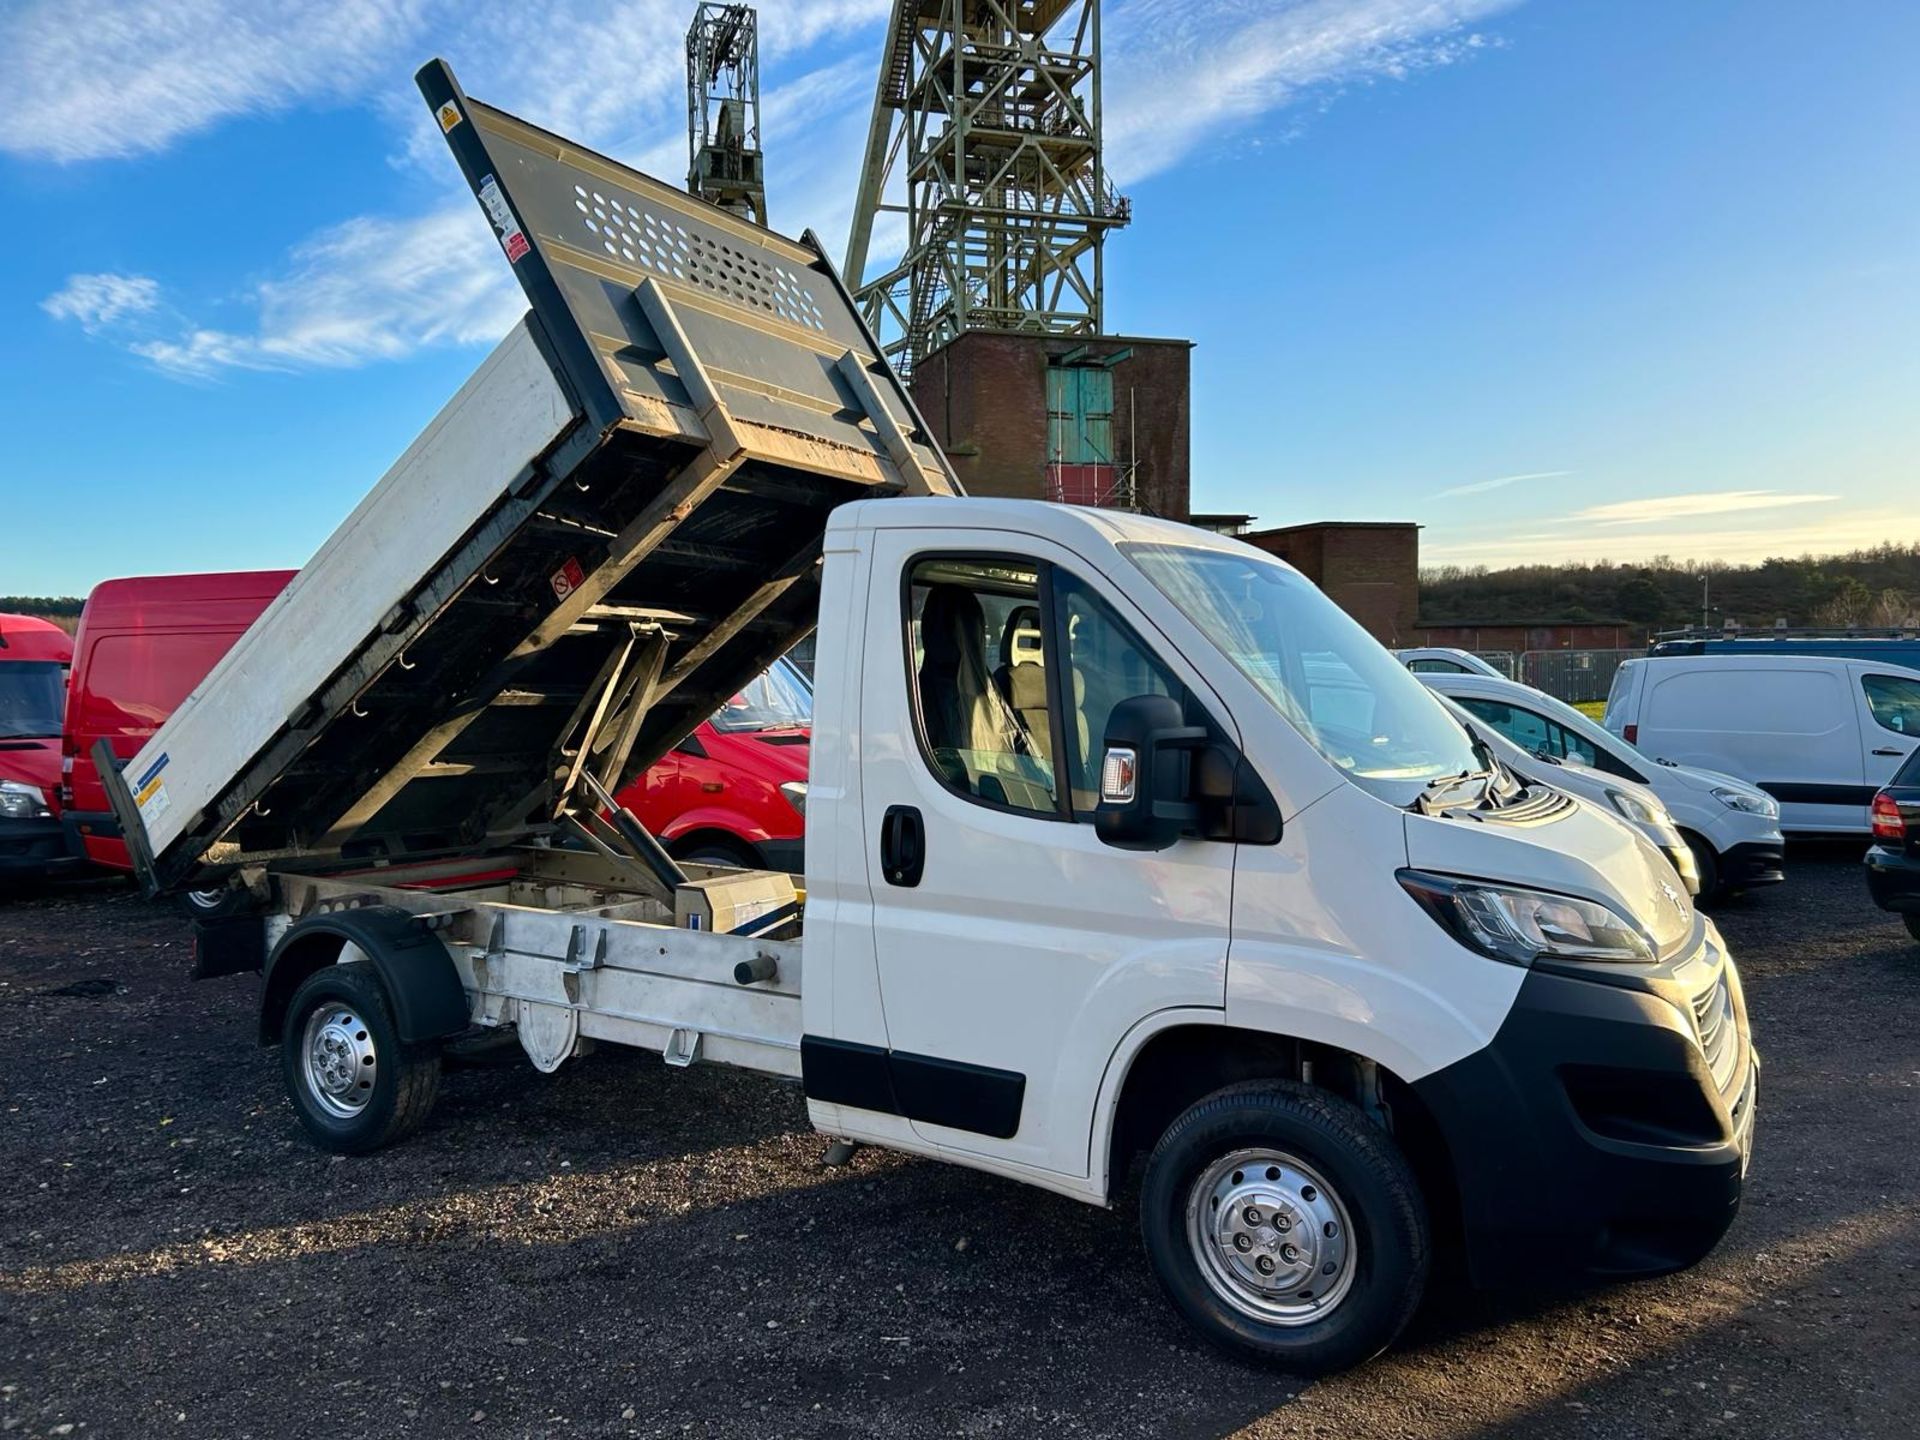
(215, 904)
(1707, 860)
(1913, 925)
(721, 851)
(1285, 1226)
(354, 1085)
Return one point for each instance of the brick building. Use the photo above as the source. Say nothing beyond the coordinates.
(1096, 420)
(1370, 569)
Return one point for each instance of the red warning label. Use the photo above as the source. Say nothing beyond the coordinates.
(567, 579)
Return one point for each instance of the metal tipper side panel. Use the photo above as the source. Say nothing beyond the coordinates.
(660, 550)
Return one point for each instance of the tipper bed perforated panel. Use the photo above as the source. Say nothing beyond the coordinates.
(725, 396)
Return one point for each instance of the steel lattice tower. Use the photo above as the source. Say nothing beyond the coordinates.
(724, 163)
(988, 115)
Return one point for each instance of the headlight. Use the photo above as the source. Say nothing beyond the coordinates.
(796, 793)
(1637, 810)
(1753, 804)
(1520, 926)
(19, 801)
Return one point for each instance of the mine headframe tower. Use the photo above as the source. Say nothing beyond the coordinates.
(724, 162)
(986, 138)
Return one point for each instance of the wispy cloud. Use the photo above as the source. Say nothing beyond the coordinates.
(1680, 507)
(1827, 534)
(99, 79)
(1480, 487)
(91, 80)
(1181, 73)
(97, 301)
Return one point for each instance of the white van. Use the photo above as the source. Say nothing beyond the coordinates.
(1097, 871)
(1732, 828)
(1445, 660)
(1818, 733)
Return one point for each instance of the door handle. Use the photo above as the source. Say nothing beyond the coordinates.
(903, 845)
(1889, 750)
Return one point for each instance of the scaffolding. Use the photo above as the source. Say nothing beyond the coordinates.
(986, 128)
(724, 163)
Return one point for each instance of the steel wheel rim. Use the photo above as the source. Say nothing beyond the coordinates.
(337, 1060)
(1271, 1237)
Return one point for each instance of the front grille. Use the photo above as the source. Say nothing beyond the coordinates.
(1719, 1036)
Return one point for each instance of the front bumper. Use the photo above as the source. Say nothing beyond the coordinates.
(34, 849)
(1893, 878)
(1595, 1136)
(1755, 862)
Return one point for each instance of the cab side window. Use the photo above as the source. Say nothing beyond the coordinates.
(1893, 702)
(1534, 733)
(1106, 664)
(979, 678)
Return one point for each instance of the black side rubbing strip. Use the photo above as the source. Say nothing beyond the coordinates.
(953, 1093)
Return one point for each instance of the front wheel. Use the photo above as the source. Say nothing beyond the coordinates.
(354, 1084)
(1707, 861)
(1913, 925)
(1285, 1226)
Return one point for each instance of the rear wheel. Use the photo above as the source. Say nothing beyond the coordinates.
(1286, 1226)
(353, 1083)
(214, 904)
(1913, 925)
(718, 850)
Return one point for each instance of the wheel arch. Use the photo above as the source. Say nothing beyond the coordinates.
(1174, 1059)
(429, 1002)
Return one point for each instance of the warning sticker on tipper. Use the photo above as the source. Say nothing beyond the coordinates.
(150, 792)
(448, 115)
(567, 579)
(513, 239)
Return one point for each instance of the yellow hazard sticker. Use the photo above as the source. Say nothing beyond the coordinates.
(449, 116)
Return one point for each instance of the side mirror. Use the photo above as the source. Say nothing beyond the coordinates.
(1146, 775)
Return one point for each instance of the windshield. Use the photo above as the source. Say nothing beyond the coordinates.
(33, 696)
(777, 700)
(1334, 683)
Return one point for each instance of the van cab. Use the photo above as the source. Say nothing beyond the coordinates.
(1820, 734)
(142, 646)
(34, 655)
(734, 792)
(1730, 828)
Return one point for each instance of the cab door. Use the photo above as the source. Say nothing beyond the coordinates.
(1014, 948)
(1889, 721)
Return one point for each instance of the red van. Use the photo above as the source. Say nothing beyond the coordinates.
(143, 644)
(731, 794)
(734, 791)
(34, 655)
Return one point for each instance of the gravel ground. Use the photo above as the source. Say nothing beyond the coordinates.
(621, 1250)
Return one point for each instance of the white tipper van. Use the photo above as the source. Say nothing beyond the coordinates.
(1095, 876)
(1819, 734)
(1730, 828)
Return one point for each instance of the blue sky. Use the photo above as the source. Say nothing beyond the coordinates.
(1658, 259)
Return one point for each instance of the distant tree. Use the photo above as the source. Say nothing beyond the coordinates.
(1640, 599)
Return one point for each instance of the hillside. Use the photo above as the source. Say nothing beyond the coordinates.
(62, 610)
(1880, 586)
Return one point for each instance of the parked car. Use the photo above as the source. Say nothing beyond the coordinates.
(34, 655)
(1336, 693)
(1818, 733)
(1893, 861)
(1626, 801)
(734, 791)
(1732, 828)
(1445, 660)
(143, 644)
